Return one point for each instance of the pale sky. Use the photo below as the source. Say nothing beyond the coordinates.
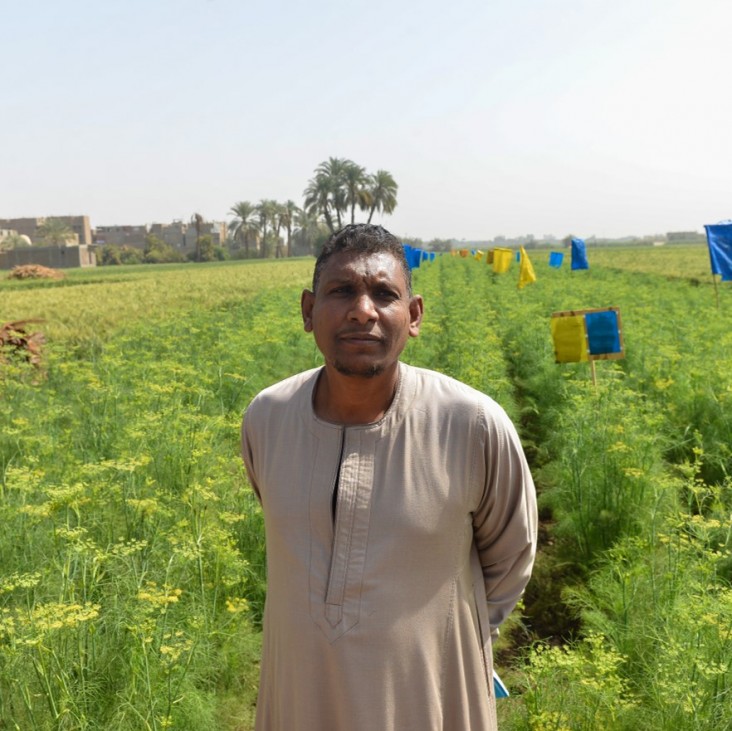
(495, 117)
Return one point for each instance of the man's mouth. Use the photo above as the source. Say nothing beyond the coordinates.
(360, 337)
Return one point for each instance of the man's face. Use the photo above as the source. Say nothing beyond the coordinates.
(361, 314)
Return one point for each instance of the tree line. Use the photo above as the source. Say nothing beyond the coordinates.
(271, 228)
(338, 187)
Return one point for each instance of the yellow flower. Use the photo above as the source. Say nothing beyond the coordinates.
(236, 605)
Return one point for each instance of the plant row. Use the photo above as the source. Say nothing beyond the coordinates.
(132, 576)
(632, 586)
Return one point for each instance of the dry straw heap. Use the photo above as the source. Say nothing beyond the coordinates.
(34, 271)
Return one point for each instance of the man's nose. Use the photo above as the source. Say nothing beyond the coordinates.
(363, 309)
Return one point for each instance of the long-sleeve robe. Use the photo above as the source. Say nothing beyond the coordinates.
(394, 551)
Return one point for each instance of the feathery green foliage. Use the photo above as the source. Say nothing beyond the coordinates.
(132, 571)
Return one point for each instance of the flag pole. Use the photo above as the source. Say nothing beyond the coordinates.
(592, 370)
(716, 289)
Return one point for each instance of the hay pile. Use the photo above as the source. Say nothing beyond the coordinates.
(34, 271)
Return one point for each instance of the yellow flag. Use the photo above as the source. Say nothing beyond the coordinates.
(501, 260)
(526, 271)
(570, 338)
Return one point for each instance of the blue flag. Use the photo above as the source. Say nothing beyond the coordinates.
(413, 256)
(555, 259)
(603, 332)
(719, 240)
(499, 688)
(579, 254)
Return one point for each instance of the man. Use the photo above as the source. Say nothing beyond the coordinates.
(399, 512)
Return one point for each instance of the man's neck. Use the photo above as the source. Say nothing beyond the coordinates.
(354, 400)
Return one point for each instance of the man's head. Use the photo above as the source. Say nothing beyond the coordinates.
(362, 238)
(361, 309)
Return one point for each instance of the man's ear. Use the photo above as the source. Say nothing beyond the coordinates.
(307, 300)
(416, 311)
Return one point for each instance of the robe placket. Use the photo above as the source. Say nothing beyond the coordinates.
(339, 604)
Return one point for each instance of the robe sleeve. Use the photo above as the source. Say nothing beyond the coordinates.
(505, 521)
(247, 453)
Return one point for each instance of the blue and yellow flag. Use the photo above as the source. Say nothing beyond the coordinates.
(581, 335)
(526, 271)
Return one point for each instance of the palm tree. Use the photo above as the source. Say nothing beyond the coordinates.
(382, 191)
(335, 171)
(55, 232)
(288, 212)
(277, 223)
(308, 229)
(355, 182)
(197, 221)
(333, 189)
(266, 211)
(317, 199)
(340, 184)
(244, 227)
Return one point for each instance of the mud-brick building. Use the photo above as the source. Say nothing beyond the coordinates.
(80, 225)
(132, 235)
(56, 257)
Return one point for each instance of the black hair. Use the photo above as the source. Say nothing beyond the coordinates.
(363, 238)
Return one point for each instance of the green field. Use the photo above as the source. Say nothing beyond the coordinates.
(131, 562)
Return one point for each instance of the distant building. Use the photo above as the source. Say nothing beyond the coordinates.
(121, 236)
(677, 236)
(80, 226)
(173, 233)
(29, 227)
(6, 232)
(178, 234)
(56, 257)
(215, 229)
(182, 236)
(23, 226)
